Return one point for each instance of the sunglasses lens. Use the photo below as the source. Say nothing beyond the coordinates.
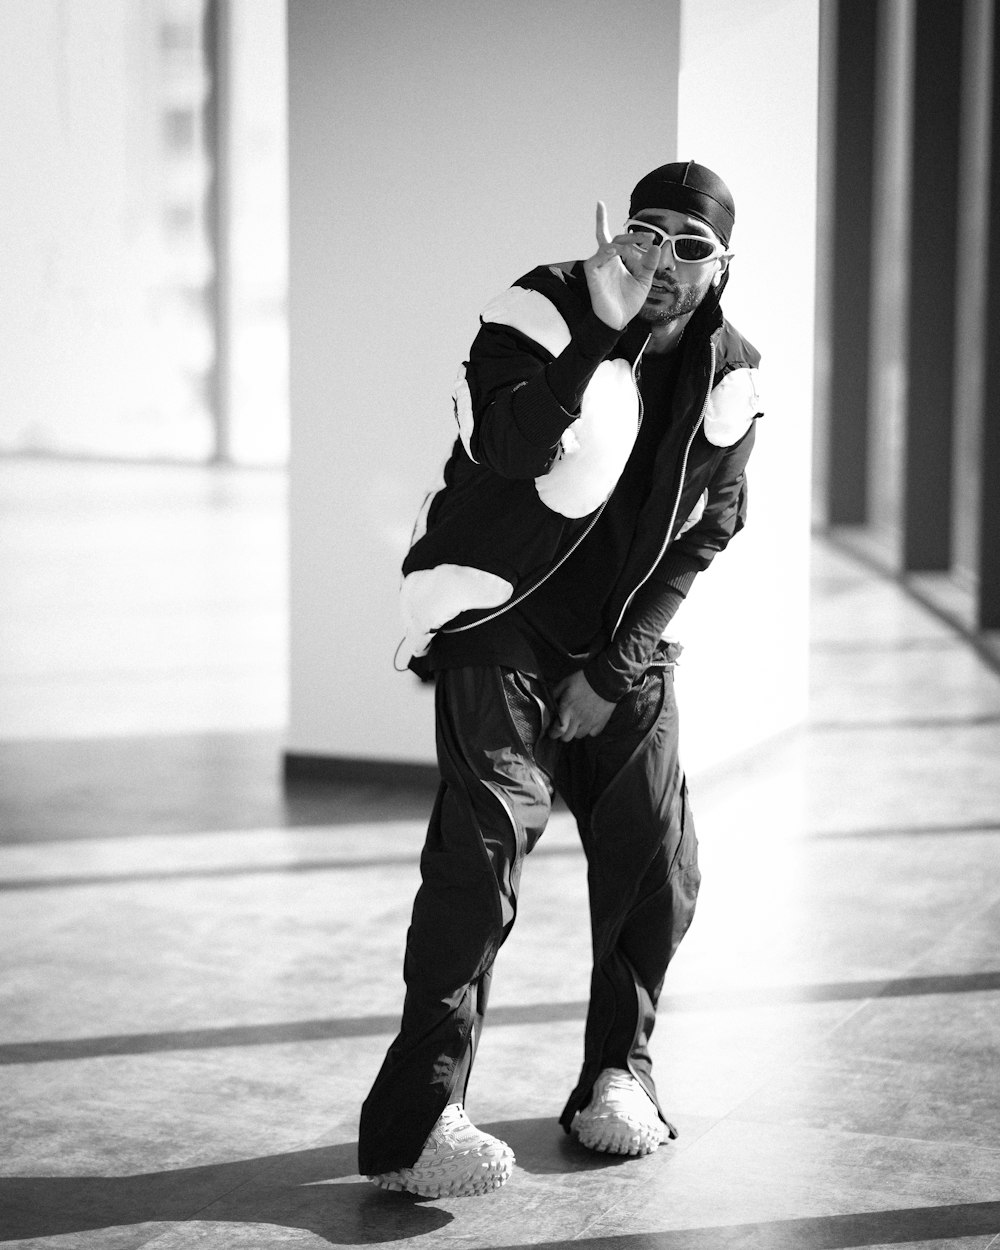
(691, 247)
(642, 227)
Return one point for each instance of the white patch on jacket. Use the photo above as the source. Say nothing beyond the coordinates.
(420, 524)
(462, 399)
(429, 598)
(731, 407)
(532, 314)
(593, 450)
(695, 515)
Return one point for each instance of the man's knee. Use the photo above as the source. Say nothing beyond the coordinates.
(520, 813)
(675, 861)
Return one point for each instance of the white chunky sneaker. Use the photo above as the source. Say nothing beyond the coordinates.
(620, 1117)
(457, 1161)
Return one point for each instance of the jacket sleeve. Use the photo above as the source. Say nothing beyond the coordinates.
(614, 671)
(523, 400)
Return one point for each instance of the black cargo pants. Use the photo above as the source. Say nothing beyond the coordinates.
(498, 772)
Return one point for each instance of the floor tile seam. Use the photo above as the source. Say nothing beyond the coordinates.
(597, 1218)
(201, 872)
(968, 918)
(137, 883)
(766, 1076)
(140, 875)
(160, 1233)
(913, 965)
(981, 722)
(567, 1012)
(730, 1117)
(801, 1063)
(873, 1063)
(321, 1141)
(903, 1139)
(256, 846)
(863, 1005)
(860, 738)
(187, 1219)
(859, 1005)
(391, 827)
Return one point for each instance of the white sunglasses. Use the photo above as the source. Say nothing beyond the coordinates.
(690, 249)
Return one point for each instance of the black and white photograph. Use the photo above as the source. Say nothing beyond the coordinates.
(499, 624)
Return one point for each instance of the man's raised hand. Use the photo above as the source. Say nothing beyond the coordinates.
(618, 292)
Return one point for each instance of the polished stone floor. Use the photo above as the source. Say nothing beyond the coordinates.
(200, 972)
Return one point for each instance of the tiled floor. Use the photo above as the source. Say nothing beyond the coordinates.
(200, 973)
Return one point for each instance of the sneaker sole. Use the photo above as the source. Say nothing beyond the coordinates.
(487, 1177)
(620, 1137)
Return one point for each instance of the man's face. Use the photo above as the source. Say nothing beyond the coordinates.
(678, 286)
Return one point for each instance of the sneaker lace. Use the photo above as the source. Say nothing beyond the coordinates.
(618, 1090)
(619, 1079)
(455, 1128)
(453, 1116)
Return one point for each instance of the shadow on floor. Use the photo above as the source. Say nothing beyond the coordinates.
(315, 1190)
(61, 1050)
(185, 783)
(542, 1148)
(319, 1191)
(821, 1232)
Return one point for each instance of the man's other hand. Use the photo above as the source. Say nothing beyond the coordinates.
(581, 712)
(618, 290)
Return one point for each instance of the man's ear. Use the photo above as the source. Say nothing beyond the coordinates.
(720, 273)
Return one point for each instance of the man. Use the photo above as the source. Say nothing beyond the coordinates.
(606, 414)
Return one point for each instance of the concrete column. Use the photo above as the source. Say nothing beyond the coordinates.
(988, 592)
(743, 674)
(883, 537)
(851, 25)
(971, 280)
(438, 150)
(935, 141)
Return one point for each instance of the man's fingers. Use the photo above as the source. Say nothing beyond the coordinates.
(603, 228)
(648, 253)
(649, 262)
(567, 729)
(564, 728)
(644, 244)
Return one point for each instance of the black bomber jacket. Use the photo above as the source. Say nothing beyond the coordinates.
(547, 408)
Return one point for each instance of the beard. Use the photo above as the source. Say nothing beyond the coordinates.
(685, 300)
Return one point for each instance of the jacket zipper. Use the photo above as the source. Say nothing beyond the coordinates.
(680, 490)
(512, 603)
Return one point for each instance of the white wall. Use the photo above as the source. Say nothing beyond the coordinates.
(434, 157)
(748, 109)
(438, 149)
